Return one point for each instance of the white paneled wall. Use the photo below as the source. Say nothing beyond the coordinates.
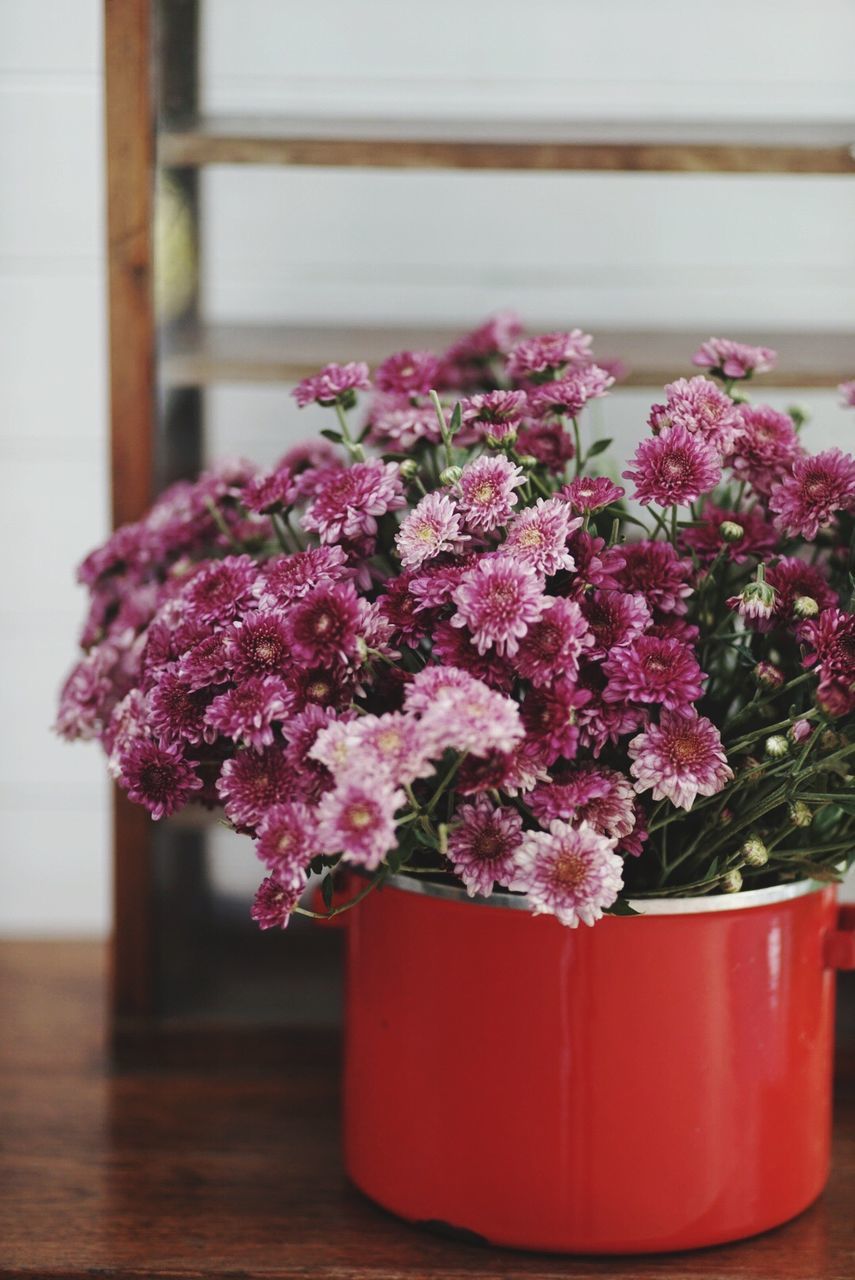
(720, 252)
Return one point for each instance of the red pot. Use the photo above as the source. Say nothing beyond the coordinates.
(652, 1083)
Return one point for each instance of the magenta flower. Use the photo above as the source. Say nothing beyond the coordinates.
(819, 487)
(587, 494)
(569, 872)
(494, 338)
(791, 578)
(596, 564)
(674, 468)
(830, 640)
(176, 713)
(542, 359)
(572, 391)
(615, 617)
(248, 712)
(731, 359)
(679, 759)
(269, 491)
(349, 500)
(664, 672)
(487, 492)
(325, 624)
(157, 777)
(397, 423)
(89, 695)
(482, 845)
(602, 797)
(259, 644)
(758, 538)
(336, 383)
(847, 390)
(766, 449)
(546, 441)
(551, 716)
(494, 414)
(702, 409)
(357, 820)
(284, 579)
(453, 647)
(207, 662)
(553, 645)
(538, 536)
(498, 600)
(655, 571)
(251, 782)
(273, 904)
(286, 843)
(408, 373)
(432, 527)
(221, 589)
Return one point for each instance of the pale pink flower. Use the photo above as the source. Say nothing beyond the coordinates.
(487, 492)
(431, 528)
(465, 716)
(679, 759)
(408, 372)
(357, 819)
(847, 390)
(570, 393)
(498, 600)
(674, 468)
(335, 382)
(819, 487)
(482, 845)
(541, 358)
(538, 536)
(570, 872)
(703, 409)
(732, 360)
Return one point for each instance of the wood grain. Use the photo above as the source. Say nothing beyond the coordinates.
(237, 1173)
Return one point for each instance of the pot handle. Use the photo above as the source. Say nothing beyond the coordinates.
(840, 942)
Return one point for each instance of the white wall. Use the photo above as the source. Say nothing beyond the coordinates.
(705, 252)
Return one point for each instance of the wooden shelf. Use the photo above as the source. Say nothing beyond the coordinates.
(214, 354)
(541, 145)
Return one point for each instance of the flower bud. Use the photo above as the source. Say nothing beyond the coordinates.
(805, 607)
(527, 460)
(830, 741)
(800, 814)
(777, 747)
(409, 469)
(451, 475)
(731, 882)
(800, 731)
(501, 435)
(756, 600)
(731, 531)
(768, 675)
(755, 852)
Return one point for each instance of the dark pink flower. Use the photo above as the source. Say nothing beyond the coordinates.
(259, 644)
(270, 490)
(572, 391)
(431, 528)
(251, 782)
(157, 777)
(550, 715)
(494, 414)
(615, 618)
(792, 578)
(273, 904)
(408, 372)
(587, 793)
(732, 360)
(679, 759)
(758, 538)
(830, 641)
(542, 359)
(400, 608)
(348, 500)
(497, 601)
(698, 405)
(596, 564)
(587, 494)
(221, 589)
(674, 468)
(632, 846)
(325, 624)
(397, 422)
(569, 872)
(176, 713)
(665, 672)
(494, 338)
(548, 442)
(487, 492)
(538, 536)
(323, 684)
(284, 579)
(248, 712)
(453, 646)
(336, 383)
(554, 644)
(207, 662)
(482, 844)
(357, 819)
(286, 843)
(819, 487)
(655, 571)
(766, 449)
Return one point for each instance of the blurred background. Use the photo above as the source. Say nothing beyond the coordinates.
(718, 253)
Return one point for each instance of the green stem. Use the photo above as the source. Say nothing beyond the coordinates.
(353, 447)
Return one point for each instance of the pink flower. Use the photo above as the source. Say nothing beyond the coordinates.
(569, 872)
(176, 713)
(495, 414)
(594, 794)
(283, 579)
(393, 744)
(680, 758)
(396, 423)
(286, 842)
(251, 782)
(334, 383)
(207, 662)
(766, 449)
(349, 500)
(538, 536)
(542, 359)
(89, 695)
(654, 570)
(461, 713)
(408, 372)
(791, 578)
(431, 528)
(830, 640)
(482, 845)
(326, 623)
(546, 441)
(570, 393)
(755, 603)
(452, 646)
(698, 405)
(357, 820)
(487, 496)
(615, 618)
(596, 564)
(259, 645)
(270, 490)
(248, 712)
(591, 493)
(674, 468)
(819, 487)
(665, 672)
(157, 777)
(493, 338)
(273, 904)
(221, 589)
(498, 600)
(554, 644)
(847, 390)
(551, 717)
(706, 541)
(731, 359)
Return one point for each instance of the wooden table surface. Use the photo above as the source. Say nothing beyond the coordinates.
(238, 1174)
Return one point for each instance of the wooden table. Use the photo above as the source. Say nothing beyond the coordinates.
(238, 1173)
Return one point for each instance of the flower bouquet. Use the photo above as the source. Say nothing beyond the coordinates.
(445, 646)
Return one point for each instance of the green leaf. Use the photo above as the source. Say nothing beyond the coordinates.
(621, 908)
(456, 418)
(330, 434)
(327, 889)
(598, 447)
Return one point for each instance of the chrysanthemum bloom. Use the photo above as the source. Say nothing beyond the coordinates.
(830, 639)
(349, 500)
(674, 468)
(434, 684)
(157, 777)
(286, 842)
(176, 713)
(465, 715)
(269, 491)
(570, 393)
(259, 644)
(569, 872)
(766, 449)
(357, 819)
(818, 488)
(680, 758)
(335, 383)
(547, 441)
(793, 578)
(408, 372)
(487, 492)
(286, 578)
(326, 623)
(251, 782)
(432, 527)
(587, 494)
(632, 846)
(664, 672)
(553, 645)
(654, 570)
(603, 724)
(538, 536)
(88, 695)
(847, 390)
(400, 608)
(393, 744)
(323, 684)
(543, 358)
(207, 662)
(273, 904)
(594, 794)
(836, 696)
(755, 603)
(482, 845)
(731, 359)
(397, 423)
(615, 618)
(432, 586)
(550, 715)
(698, 405)
(498, 600)
(454, 647)
(706, 540)
(494, 414)
(248, 712)
(596, 564)
(495, 337)
(221, 589)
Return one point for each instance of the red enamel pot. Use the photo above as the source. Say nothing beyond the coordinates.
(657, 1082)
